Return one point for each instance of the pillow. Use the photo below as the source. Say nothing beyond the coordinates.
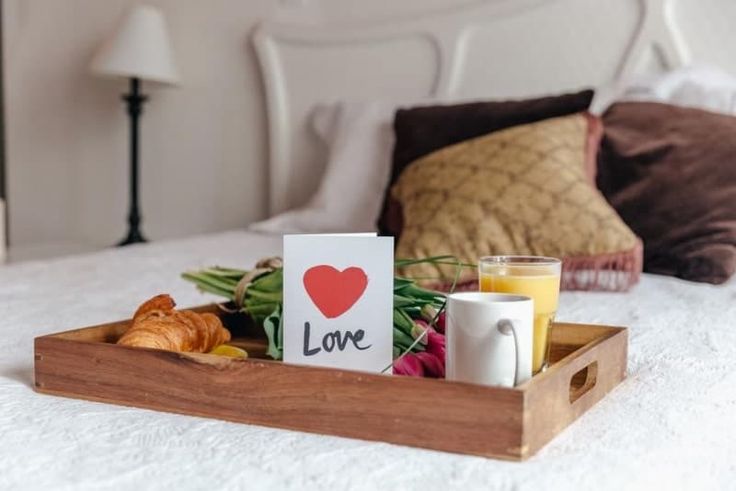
(671, 174)
(422, 130)
(349, 197)
(522, 190)
(696, 86)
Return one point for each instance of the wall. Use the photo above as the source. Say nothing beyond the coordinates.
(203, 144)
(202, 149)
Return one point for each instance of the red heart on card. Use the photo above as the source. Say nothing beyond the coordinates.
(334, 292)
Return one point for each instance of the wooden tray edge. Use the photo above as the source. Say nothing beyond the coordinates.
(531, 395)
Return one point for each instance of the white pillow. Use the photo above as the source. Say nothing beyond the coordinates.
(360, 139)
(698, 86)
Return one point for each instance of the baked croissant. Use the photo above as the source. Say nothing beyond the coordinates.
(156, 324)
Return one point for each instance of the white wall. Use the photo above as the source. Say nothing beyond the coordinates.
(67, 132)
(203, 144)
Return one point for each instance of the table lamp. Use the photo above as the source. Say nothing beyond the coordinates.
(138, 50)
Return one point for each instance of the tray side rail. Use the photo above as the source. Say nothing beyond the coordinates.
(427, 413)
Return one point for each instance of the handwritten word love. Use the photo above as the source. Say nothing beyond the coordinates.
(336, 339)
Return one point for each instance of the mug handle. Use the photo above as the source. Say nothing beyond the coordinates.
(507, 328)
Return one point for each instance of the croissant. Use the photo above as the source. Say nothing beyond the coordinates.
(156, 324)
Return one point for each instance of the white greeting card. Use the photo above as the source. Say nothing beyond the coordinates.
(338, 301)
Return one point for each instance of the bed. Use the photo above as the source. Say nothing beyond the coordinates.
(670, 424)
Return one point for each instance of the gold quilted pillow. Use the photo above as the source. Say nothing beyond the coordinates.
(522, 190)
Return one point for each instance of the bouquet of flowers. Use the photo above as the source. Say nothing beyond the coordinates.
(418, 319)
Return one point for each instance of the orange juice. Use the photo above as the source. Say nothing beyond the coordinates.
(544, 289)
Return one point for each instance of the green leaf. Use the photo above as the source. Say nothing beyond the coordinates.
(273, 325)
(255, 294)
(401, 301)
(401, 283)
(269, 282)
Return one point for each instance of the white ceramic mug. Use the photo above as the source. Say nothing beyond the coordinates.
(489, 338)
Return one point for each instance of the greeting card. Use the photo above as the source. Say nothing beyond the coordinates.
(338, 301)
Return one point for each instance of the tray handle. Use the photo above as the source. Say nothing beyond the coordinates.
(580, 380)
(583, 381)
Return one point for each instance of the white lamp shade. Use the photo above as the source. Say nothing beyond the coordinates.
(139, 48)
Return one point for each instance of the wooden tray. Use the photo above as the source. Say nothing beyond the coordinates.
(588, 361)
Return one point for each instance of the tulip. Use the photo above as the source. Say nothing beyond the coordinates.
(440, 324)
(436, 345)
(429, 363)
(409, 365)
(433, 366)
(428, 313)
(419, 331)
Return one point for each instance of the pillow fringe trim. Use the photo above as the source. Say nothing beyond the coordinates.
(617, 271)
(612, 272)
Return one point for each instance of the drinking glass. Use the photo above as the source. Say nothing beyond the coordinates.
(532, 276)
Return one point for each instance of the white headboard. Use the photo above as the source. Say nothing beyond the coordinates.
(495, 49)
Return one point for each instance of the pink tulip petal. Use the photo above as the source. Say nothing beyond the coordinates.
(436, 345)
(409, 365)
(440, 324)
(433, 366)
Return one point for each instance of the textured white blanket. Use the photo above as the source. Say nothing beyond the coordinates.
(670, 425)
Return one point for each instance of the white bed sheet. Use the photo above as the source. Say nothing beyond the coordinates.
(671, 424)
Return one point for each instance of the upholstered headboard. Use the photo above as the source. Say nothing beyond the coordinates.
(495, 49)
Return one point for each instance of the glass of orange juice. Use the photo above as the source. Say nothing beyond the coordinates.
(532, 276)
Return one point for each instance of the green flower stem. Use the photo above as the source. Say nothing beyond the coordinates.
(445, 260)
(402, 339)
(226, 272)
(210, 281)
(204, 284)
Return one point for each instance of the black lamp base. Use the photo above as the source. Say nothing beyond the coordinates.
(133, 237)
(134, 101)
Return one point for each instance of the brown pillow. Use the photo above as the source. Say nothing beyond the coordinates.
(522, 190)
(422, 130)
(671, 174)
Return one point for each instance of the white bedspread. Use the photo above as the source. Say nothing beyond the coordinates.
(670, 425)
